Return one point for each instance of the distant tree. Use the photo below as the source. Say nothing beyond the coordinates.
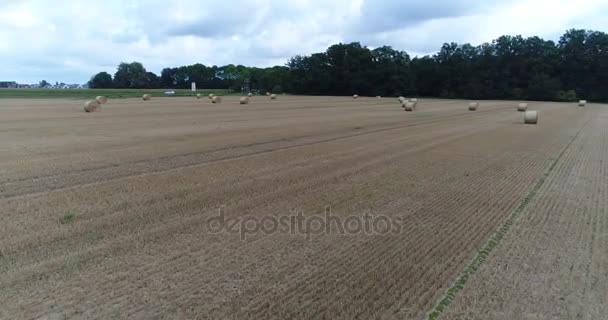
(102, 80)
(43, 84)
(167, 78)
(543, 87)
(131, 75)
(152, 81)
(389, 72)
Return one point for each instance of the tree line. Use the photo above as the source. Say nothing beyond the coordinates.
(133, 75)
(510, 67)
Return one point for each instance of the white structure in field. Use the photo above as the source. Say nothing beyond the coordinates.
(193, 86)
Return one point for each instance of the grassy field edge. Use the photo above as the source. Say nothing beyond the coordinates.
(110, 93)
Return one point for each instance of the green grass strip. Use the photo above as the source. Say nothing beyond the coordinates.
(110, 93)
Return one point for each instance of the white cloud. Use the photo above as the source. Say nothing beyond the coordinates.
(69, 40)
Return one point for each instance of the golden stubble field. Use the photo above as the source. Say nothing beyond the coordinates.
(107, 215)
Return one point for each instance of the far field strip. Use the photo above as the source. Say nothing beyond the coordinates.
(39, 183)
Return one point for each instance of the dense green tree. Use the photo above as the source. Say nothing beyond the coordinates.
(152, 81)
(131, 75)
(167, 78)
(102, 80)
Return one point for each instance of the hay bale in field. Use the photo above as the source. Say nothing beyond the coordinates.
(92, 106)
(268, 94)
(216, 99)
(101, 99)
(401, 99)
(355, 96)
(522, 107)
(244, 100)
(582, 103)
(378, 97)
(211, 96)
(198, 95)
(250, 94)
(473, 106)
(273, 96)
(409, 106)
(414, 100)
(531, 117)
(146, 97)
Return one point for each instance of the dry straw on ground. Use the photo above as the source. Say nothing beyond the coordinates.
(146, 97)
(531, 117)
(522, 107)
(319, 149)
(92, 106)
(101, 99)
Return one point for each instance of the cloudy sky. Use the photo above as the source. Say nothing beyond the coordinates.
(68, 41)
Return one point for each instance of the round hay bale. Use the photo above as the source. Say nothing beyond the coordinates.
(198, 95)
(146, 97)
(273, 96)
(355, 96)
(473, 106)
(268, 93)
(244, 100)
(216, 99)
(414, 100)
(378, 97)
(92, 106)
(409, 106)
(101, 99)
(250, 94)
(582, 103)
(531, 117)
(522, 107)
(210, 96)
(401, 99)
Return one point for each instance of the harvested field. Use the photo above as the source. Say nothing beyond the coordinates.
(105, 215)
(554, 262)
